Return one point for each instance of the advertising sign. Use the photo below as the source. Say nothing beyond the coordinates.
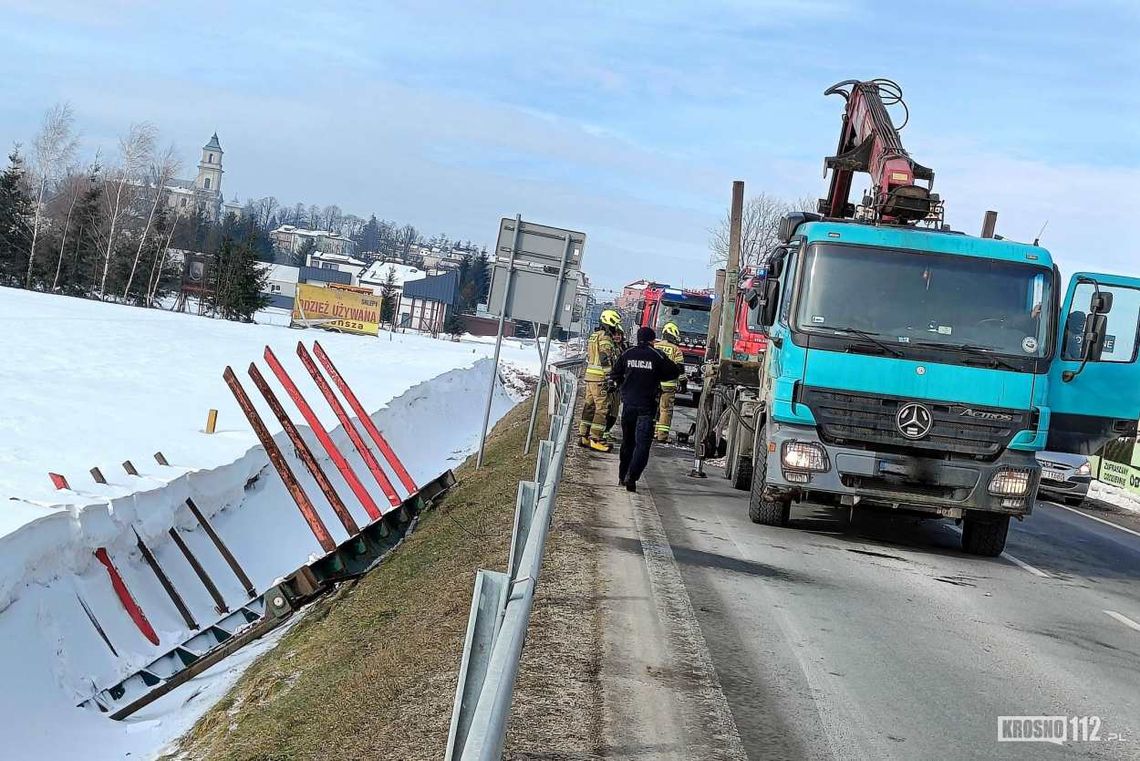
(336, 309)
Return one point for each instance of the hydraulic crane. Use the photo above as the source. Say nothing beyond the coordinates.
(869, 142)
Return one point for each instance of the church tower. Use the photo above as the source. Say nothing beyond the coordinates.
(210, 168)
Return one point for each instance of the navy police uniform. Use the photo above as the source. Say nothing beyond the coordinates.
(639, 373)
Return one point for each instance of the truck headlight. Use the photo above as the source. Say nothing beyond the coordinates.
(1010, 483)
(805, 456)
(1085, 469)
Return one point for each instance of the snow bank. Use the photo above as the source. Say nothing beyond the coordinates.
(90, 384)
(1114, 495)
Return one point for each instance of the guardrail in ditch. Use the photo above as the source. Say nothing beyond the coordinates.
(501, 603)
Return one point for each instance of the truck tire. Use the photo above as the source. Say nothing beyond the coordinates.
(984, 536)
(742, 478)
(763, 508)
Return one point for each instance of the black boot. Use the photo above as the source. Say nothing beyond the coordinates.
(631, 485)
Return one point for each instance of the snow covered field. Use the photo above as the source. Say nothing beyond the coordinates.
(85, 385)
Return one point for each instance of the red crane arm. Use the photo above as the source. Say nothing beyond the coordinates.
(869, 142)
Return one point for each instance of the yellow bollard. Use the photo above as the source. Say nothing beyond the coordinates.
(211, 421)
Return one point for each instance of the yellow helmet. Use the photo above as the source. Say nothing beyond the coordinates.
(610, 318)
(670, 330)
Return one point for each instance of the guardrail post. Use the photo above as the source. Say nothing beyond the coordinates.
(525, 505)
(487, 603)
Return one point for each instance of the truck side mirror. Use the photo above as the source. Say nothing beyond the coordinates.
(1101, 302)
(752, 298)
(1096, 328)
(769, 302)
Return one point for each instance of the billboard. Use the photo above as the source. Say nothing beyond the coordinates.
(336, 309)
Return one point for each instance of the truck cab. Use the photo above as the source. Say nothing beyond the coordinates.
(919, 371)
(749, 337)
(690, 311)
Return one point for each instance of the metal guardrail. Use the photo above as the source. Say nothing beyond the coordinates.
(501, 604)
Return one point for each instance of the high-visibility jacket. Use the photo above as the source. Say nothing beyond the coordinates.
(600, 355)
(673, 352)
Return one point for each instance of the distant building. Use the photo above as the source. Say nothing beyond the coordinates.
(203, 192)
(339, 262)
(377, 274)
(288, 239)
(631, 294)
(281, 283)
(429, 301)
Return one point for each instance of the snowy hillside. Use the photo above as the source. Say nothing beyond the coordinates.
(87, 384)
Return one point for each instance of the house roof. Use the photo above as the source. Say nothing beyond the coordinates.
(341, 258)
(443, 288)
(377, 273)
(281, 273)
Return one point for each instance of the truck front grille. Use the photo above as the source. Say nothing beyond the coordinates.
(868, 420)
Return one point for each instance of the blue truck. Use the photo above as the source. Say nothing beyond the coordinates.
(917, 369)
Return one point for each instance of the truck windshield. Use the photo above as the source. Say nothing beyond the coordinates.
(902, 297)
(690, 320)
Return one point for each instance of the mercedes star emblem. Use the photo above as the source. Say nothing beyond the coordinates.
(914, 420)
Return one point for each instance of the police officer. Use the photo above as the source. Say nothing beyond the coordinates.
(614, 395)
(601, 353)
(667, 345)
(639, 373)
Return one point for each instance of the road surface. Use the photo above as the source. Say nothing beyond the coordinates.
(873, 640)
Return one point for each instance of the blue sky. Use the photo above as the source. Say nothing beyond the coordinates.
(626, 120)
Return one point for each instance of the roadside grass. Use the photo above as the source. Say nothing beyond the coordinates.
(371, 671)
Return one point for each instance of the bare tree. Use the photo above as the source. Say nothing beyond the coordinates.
(160, 262)
(52, 150)
(135, 151)
(263, 210)
(759, 228)
(314, 217)
(161, 173)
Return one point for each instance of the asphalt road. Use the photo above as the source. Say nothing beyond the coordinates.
(882, 640)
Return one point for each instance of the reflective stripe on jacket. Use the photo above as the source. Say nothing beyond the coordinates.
(600, 355)
(673, 352)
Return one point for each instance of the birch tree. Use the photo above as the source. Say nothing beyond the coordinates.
(52, 150)
(135, 152)
(161, 173)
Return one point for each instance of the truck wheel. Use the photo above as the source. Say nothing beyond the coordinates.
(763, 508)
(985, 536)
(742, 479)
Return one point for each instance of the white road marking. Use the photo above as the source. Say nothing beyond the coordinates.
(1016, 561)
(1094, 518)
(1124, 620)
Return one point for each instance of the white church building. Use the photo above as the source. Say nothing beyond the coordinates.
(205, 191)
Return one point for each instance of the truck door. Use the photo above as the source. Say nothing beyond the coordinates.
(1096, 398)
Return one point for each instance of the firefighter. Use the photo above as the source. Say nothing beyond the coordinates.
(667, 345)
(614, 394)
(601, 353)
(639, 373)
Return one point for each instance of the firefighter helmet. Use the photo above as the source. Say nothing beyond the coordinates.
(671, 331)
(610, 318)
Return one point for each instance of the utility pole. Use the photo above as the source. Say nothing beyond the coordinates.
(731, 271)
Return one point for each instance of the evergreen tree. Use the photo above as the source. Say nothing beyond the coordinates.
(83, 244)
(481, 276)
(15, 216)
(301, 257)
(388, 292)
(236, 281)
(369, 238)
(454, 326)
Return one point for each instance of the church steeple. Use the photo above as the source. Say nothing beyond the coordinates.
(210, 168)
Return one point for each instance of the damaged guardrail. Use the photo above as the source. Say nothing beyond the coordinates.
(501, 603)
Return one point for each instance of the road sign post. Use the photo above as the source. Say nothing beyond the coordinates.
(499, 339)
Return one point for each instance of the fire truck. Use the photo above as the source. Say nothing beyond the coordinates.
(689, 310)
